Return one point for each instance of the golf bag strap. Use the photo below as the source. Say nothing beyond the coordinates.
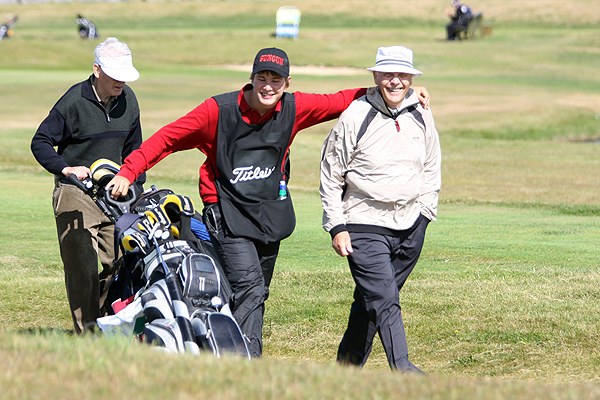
(365, 124)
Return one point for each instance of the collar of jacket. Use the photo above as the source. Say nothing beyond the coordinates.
(376, 100)
(87, 92)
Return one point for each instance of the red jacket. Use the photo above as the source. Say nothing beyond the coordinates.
(198, 129)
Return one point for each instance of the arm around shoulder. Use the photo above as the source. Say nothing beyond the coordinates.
(423, 95)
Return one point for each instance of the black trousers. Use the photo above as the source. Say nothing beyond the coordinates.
(248, 266)
(452, 31)
(380, 265)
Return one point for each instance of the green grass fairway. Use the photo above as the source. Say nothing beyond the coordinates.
(505, 301)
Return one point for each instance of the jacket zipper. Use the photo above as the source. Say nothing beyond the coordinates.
(108, 112)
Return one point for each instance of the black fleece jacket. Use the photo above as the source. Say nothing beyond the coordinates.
(83, 131)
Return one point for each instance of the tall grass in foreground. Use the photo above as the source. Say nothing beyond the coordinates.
(67, 368)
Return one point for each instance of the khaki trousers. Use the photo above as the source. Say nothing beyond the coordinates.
(85, 235)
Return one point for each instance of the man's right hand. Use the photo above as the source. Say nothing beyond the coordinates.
(119, 185)
(342, 244)
(80, 172)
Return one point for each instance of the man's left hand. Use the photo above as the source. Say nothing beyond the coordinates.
(119, 185)
(423, 95)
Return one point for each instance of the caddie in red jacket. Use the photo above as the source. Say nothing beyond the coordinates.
(245, 136)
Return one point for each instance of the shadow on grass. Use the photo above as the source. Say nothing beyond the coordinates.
(48, 332)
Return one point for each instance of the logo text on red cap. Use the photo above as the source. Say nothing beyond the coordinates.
(271, 58)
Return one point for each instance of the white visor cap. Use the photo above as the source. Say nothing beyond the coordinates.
(119, 68)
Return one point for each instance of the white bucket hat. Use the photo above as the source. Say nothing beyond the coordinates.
(119, 68)
(395, 59)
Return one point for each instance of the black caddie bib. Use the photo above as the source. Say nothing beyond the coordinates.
(250, 165)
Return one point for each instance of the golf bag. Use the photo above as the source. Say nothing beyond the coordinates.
(170, 290)
(87, 29)
(8, 28)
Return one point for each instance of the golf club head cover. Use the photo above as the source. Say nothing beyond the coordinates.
(133, 238)
(103, 170)
(125, 223)
(158, 215)
(145, 224)
(180, 210)
(177, 205)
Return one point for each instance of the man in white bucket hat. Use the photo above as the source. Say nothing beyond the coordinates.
(97, 118)
(380, 178)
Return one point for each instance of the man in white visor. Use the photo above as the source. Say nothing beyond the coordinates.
(98, 118)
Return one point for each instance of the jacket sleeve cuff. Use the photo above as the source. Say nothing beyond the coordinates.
(337, 229)
(125, 173)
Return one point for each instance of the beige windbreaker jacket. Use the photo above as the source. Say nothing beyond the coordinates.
(387, 177)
